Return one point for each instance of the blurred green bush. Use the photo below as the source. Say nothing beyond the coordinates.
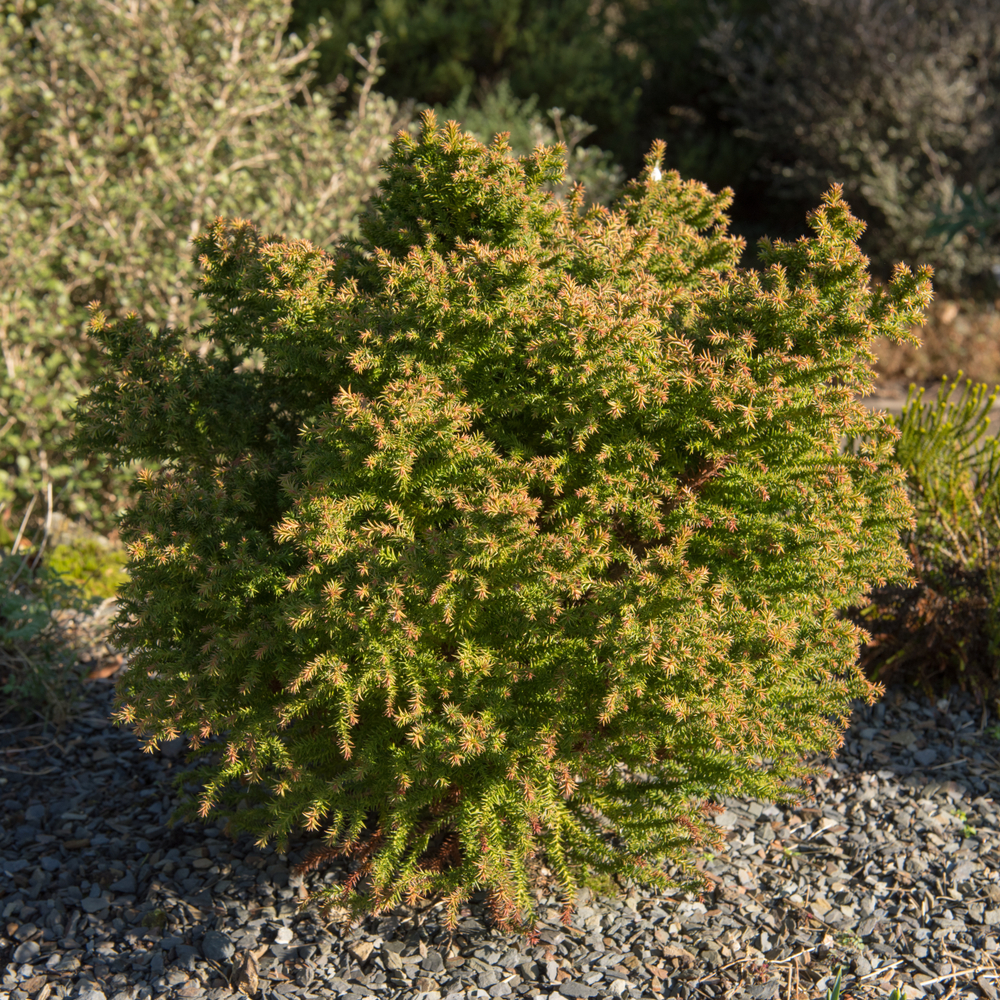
(895, 101)
(567, 54)
(633, 68)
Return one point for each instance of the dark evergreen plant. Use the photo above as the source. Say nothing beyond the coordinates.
(572, 53)
(517, 496)
(632, 68)
(899, 100)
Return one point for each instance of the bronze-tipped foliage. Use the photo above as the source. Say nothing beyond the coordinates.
(518, 495)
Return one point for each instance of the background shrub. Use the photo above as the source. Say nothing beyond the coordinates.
(637, 70)
(632, 68)
(126, 127)
(895, 99)
(568, 54)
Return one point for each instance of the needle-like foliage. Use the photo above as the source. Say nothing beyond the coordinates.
(519, 495)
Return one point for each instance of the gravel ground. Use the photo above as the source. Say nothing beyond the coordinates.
(890, 873)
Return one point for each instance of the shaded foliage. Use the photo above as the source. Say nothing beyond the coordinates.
(109, 166)
(895, 99)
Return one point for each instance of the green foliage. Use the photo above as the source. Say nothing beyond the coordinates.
(633, 69)
(571, 54)
(501, 111)
(976, 215)
(683, 101)
(110, 164)
(517, 494)
(834, 992)
(952, 474)
(38, 672)
(953, 480)
(90, 566)
(89, 563)
(898, 101)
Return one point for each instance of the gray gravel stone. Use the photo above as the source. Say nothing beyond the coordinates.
(217, 947)
(125, 885)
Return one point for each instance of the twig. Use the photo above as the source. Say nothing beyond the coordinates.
(947, 763)
(879, 971)
(9, 750)
(33, 774)
(743, 961)
(791, 958)
(963, 972)
(17, 729)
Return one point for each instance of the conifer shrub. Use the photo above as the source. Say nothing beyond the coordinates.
(519, 494)
(501, 111)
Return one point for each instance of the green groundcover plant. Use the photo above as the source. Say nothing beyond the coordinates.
(38, 667)
(953, 481)
(519, 494)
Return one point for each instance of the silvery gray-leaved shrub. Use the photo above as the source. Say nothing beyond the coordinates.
(898, 100)
(124, 131)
